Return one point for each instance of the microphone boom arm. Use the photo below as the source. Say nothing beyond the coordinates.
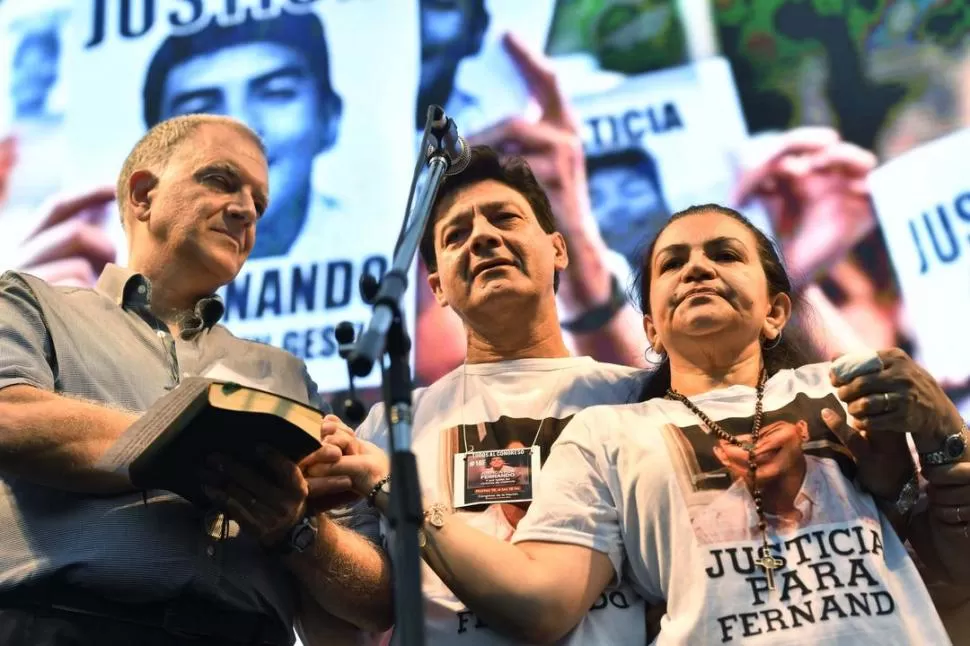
(447, 154)
(372, 342)
(444, 153)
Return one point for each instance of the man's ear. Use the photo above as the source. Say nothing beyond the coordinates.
(561, 259)
(141, 185)
(434, 282)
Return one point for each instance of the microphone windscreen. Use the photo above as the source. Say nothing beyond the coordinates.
(344, 332)
(464, 158)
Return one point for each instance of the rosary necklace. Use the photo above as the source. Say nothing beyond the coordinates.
(765, 559)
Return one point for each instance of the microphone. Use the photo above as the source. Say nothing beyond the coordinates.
(345, 338)
(368, 287)
(350, 409)
(450, 145)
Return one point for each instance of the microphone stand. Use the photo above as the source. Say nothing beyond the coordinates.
(346, 405)
(387, 334)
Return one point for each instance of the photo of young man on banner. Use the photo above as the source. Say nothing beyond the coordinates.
(296, 75)
(33, 98)
(657, 143)
(464, 65)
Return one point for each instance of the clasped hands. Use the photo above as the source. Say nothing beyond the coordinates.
(344, 469)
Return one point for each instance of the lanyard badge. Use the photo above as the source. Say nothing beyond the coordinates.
(501, 476)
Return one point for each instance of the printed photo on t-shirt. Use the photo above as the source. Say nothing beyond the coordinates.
(802, 473)
(824, 569)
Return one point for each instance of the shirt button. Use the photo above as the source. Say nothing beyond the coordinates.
(210, 550)
(161, 334)
(141, 289)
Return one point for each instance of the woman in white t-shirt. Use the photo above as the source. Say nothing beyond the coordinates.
(650, 491)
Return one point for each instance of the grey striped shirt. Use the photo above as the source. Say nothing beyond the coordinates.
(104, 345)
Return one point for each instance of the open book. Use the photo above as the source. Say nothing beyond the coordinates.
(167, 447)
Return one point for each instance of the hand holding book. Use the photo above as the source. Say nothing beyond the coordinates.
(266, 500)
(168, 447)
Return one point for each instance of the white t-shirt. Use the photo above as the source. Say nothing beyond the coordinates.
(498, 404)
(649, 486)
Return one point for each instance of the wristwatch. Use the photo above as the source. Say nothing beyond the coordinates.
(299, 539)
(954, 446)
(599, 316)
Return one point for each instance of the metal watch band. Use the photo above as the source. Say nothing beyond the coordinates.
(945, 455)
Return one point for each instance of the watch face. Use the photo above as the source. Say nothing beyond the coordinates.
(304, 537)
(955, 446)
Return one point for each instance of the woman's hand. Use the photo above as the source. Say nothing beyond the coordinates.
(901, 397)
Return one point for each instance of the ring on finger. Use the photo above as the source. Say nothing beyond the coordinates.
(886, 403)
(959, 516)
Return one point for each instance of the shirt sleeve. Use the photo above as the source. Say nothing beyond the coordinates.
(374, 428)
(575, 504)
(26, 351)
(361, 518)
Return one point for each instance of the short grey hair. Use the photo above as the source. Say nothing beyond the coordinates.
(156, 147)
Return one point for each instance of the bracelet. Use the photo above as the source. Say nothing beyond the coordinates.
(434, 516)
(594, 319)
(372, 496)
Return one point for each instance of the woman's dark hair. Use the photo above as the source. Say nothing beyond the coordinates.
(795, 348)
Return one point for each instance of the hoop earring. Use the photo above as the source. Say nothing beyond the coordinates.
(773, 343)
(654, 358)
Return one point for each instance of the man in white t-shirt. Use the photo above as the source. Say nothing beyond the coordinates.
(493, 256)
